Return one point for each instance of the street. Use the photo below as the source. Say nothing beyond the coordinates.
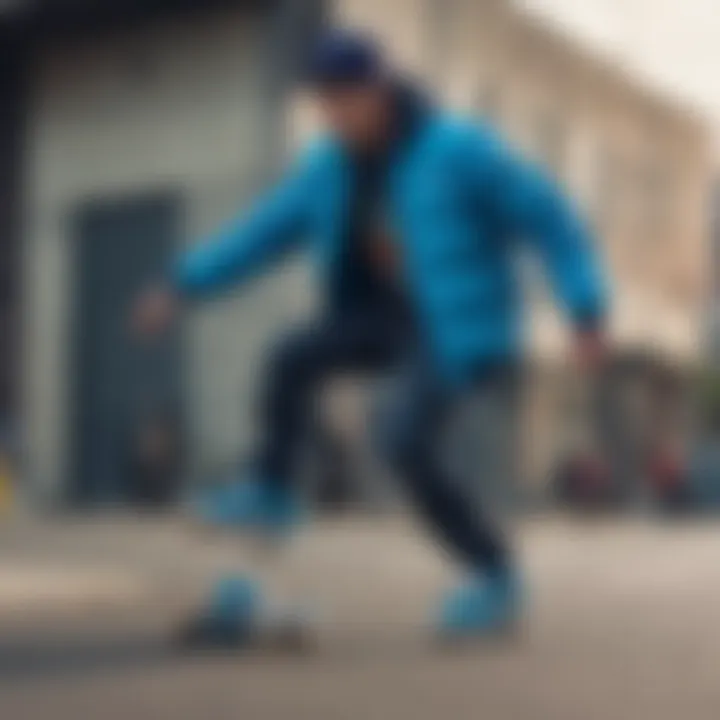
(624, 622)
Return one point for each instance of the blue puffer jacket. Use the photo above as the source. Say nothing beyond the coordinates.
(459, 205)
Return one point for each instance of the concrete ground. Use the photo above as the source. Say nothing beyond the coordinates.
(624, 622)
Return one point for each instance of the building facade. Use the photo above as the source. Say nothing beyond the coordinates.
(147, 133)
(143, 132)
(638, 164)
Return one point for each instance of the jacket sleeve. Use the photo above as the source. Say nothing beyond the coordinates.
(273, 226)
(528, 205)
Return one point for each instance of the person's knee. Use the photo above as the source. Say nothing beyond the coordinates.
(295, 359)
(400, 444)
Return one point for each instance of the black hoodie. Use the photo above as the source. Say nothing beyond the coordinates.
(365, 278)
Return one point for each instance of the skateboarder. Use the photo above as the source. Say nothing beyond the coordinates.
(413, 218)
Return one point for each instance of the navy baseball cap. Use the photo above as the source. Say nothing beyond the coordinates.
(345, 57)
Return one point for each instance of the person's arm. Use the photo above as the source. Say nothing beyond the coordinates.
(528, 205)
(273, 226)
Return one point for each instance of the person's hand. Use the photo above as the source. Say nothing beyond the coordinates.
(154, 312)
(590, 350)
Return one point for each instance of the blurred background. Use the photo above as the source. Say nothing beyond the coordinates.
(130, 129)
(128, 132)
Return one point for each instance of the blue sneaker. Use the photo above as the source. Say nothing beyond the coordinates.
(251, 505)
(230, 619)
(484, 606)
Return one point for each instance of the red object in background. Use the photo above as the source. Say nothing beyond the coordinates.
(584, 481)
(666, 472)
(593, 478)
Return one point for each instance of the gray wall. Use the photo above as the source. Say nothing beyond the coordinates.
(181, 105)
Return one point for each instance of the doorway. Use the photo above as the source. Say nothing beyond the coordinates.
(124, 389)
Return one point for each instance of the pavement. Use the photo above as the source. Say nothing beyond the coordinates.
(624, 623)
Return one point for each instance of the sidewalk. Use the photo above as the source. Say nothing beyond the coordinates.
(622, 624)
(59, 564)
(361, 566)
(43, 588)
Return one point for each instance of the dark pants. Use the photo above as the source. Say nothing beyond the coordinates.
(410, 428)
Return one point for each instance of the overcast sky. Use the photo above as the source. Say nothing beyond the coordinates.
(673, 44)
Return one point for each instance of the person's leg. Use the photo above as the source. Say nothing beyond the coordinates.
(413, 431)
(486, 438)
(415, 428)
(266, 500)
(297, 368)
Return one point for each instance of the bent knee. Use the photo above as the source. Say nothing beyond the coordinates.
(400, 443)
(297, 357)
